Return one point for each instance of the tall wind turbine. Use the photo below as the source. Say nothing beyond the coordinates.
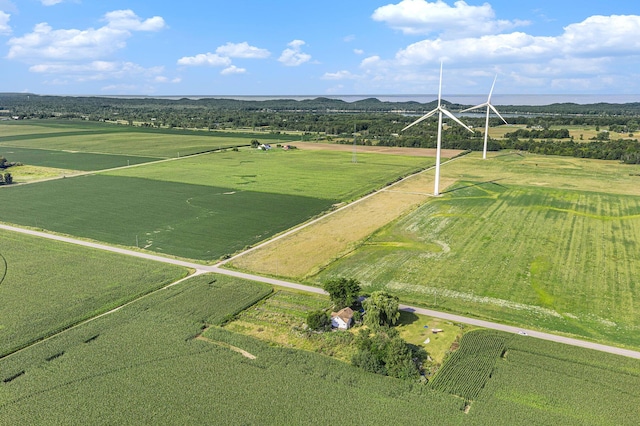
(440, 110)
(489, 108)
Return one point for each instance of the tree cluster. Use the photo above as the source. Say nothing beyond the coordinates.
(385, 352)
(6, 179)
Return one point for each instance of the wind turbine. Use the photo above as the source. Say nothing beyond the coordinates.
(440, 110)
(489, 108)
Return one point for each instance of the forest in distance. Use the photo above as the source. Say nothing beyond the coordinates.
(370, 121)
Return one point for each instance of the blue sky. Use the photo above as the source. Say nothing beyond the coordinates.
(328, 47)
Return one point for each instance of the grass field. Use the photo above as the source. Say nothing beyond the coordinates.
(51, 285)
(320, 174)
(69, 160)
(192, 221)
(281, 318)
(538, 255)
(118, 140)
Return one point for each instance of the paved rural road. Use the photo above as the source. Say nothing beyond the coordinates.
(436, 314)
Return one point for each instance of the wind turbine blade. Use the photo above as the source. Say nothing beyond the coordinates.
(454, 118)
(440, 86)
(496, 111)
(475, 107)
(492, 86)
(424, 117)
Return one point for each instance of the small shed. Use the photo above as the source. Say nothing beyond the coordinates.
(342, 319)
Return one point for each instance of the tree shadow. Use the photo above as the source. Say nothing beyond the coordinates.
(407, 318)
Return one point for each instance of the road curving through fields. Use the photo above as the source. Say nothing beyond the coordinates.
(281, 283)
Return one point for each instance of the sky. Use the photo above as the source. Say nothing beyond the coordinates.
(327, 47)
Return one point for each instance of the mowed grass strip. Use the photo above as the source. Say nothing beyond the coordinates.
(321, 174)
(549, 258)
(51, 285)
(190, 221)
(70, 160)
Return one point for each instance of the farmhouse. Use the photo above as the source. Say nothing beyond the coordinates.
(342, 319)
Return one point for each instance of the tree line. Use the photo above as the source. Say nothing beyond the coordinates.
(369, 121)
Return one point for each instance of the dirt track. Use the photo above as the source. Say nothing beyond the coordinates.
(415, 152)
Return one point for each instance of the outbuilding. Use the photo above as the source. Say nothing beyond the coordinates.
(342, 319)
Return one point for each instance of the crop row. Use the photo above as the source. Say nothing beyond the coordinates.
(466, 372)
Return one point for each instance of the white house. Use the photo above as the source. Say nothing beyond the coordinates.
(342, 319)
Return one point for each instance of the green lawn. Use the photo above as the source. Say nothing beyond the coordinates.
(320, 174)
(51, 285)
(556, 259)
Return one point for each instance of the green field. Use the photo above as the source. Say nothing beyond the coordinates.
(143, 364)
(320, 174)
(191, 221)
(69, 160)
(51, 285)
(554, 259)
(540, 382)
(118, 140)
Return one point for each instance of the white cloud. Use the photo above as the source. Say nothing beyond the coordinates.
(293, 55)
(97, 70)
(242, 50)
(210, 59)
(5, 29)
(164, 79)
(424, 17)
(233, 70)
(50, 2)
(74, 44)
(358, 51)
(595, 37)
(340, 75)
(589, 51)
(129, 21)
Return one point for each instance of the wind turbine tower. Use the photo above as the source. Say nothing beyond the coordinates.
(489, 109)
(440, 110)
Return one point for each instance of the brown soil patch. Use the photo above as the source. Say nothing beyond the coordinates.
(414, 152)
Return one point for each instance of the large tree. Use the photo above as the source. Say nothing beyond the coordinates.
(381, 309)
(342, 291)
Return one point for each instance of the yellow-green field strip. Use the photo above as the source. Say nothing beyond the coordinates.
(215, 269)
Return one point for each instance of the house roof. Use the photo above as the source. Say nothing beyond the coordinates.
(345, 314)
